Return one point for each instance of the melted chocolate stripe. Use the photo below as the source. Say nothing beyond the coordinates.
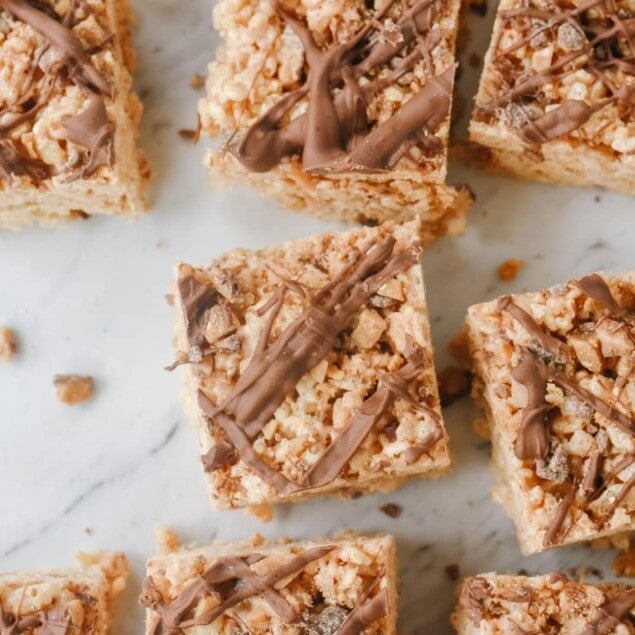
(551, 535)
(49, 622)
(61, 37)
(172, 614)
(597, 289)
(365, 614)
(341, 450)
(242, 444)
(546, 341)
(611, 614)
(328, 131)
(532, 441)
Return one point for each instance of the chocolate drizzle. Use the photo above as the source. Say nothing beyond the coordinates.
(90, 129)
(611, 614)
(49, 622)
(335, 133)
(231, 580)
(276, 367)
(597, 36)
(533, 372)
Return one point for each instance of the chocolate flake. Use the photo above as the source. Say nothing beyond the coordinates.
(473, 593)
(611, 614)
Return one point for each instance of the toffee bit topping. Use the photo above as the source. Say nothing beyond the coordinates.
(335, 133)
(232, 580)
(557, 469)
(276, 367)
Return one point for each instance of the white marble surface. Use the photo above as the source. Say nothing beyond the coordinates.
(89, 299)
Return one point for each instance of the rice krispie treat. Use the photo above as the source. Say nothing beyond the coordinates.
(339, 108)
(552, 604)
(309, 367)
(343, 586)
(557, 92)
(68, 116)
(67, 602)
(554, 371)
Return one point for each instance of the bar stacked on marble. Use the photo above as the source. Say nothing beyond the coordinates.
(68, 116)
(63, 602)
(549, 604)
(309, 367)
(346, 586)
(338, 109)
(556, 96)
(554, 372)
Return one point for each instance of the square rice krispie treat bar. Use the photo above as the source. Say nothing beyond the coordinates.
(343, 586)
(340, 109)
(68, 116)
(552, 604)
(555, 372)
(309, 367)
(63, 602)
(557, 94)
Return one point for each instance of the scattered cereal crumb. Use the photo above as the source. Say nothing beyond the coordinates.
(597, 198)
(509, 269)
(88, 531)
(391, 509)
(166, 539)
(257, 540)
(188, 134)
(453, 572)
(8, 345)
(264, 513)
(454, 383)
(73, 389)
(197, 81)
(169, 298)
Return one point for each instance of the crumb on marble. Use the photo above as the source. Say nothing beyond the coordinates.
(166, 539)
(454, 383)
(8, 344)
(453, 572)
(73, 389)
(188, 134)
(197, 81)
(508, 270)
(392, 510)
(475, 60)
(478, 6)
(624, 563)
(257, 540)
(481, 428)
(169, 298)
(264, 513)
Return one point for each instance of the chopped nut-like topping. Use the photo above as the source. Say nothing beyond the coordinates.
(587, 349)
(8, 344)
(221, 321)
(369, 330)
(391, 509)
(570, 38)
(73, 389)
(508, 270)
(328, 621)
(557, 469)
